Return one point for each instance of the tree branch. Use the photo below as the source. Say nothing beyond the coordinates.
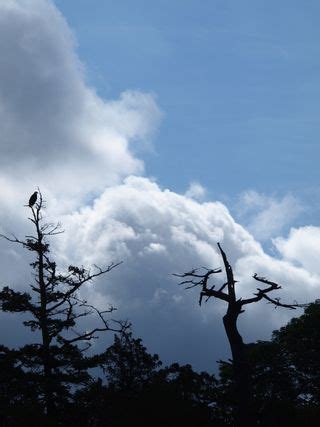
(262, 294)
(197, 279)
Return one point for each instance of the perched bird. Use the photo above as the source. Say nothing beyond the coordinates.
(33, 199)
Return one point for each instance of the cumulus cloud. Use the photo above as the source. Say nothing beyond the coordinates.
(157, 232)
(196, 191)
(301, 247)
(266, 216)
(57, 132)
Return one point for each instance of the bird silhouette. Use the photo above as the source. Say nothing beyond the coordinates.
(33, 199)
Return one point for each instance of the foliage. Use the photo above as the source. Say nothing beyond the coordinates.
(299, 345)
(56, 363)
(284, 374)
(127, 364)
(137, 390)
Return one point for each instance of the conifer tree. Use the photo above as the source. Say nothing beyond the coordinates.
(127, 364)
(55, 307)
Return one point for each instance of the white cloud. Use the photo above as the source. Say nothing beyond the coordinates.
(266, 216)
(196, 191)
(302, 247)
(157, 232)
(55, 130)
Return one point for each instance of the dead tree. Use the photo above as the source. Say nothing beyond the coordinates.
(55, 308)
(235, 306)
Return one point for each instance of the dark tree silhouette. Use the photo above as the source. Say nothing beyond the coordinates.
(120, 399)
(55, 308)
(299, 344)
(137, 391)
(235, 306)
(284, 374)
(18, 392)
(127, 364)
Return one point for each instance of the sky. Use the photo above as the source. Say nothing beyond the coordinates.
(156, 130)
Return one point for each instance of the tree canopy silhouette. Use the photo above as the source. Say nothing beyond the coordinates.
(55, 308)
(284, 374)
(138, 391)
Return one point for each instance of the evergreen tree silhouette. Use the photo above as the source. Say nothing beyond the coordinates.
(57, 362)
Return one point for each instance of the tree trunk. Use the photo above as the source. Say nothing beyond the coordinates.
(47, 370)
(243, 417)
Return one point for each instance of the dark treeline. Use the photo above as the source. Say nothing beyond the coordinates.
(136, 389)
(55, 381)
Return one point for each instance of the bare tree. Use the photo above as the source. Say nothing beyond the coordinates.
(235, 306)
(55, 308)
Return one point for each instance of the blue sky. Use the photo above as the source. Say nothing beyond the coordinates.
(238, 83)
(219, 93)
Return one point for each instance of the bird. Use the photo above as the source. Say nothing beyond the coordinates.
(33, 199)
